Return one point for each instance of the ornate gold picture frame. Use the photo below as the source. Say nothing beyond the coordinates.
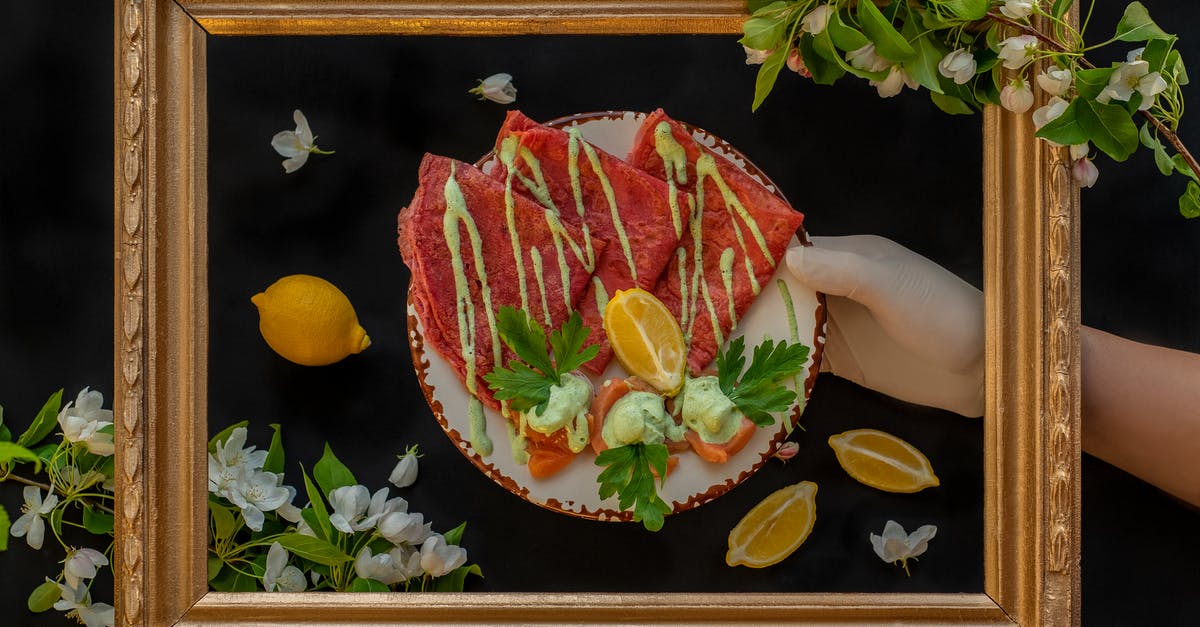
(1031, 286)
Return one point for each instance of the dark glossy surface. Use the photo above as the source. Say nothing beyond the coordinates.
(853, 163)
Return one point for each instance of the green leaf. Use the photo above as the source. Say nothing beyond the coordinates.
(630, 475)
(1175, 66)
(520, 385)
(1136, 25)
(5, 525)
(330, 473)
(759, 393)
(755, 6)
(1061, 7)
(764, 32)
(223, 521)
(923, 68)
(13, 452)
(1109, 127)
(1161, 159)
(46, 452)
(97, 522)
(1156, 53)
(316, 510)
(367, 585)
(844, 37)
(456, 580)
(5, 434)
(313, 549)
(1182, 166)
(888, 41)
(214, 567)
(1065, 129)
(274, 461)
(822, 62)
(43, 597)
(525, 337)
(44, 422)
(230, 580)
(768, 72)
(56, 516)
(823, 42)
(950, 104)
(454, 536)
(969, 10)
(566, 344)
(1189, 202)
(223, 435)
(1089, 83)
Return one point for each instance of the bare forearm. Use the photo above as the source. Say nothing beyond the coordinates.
(1141, 410)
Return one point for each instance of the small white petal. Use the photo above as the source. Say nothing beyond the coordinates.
(303, 132)
(295, 163)
(287, 144)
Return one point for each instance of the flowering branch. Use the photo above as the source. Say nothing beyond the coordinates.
(959, 50)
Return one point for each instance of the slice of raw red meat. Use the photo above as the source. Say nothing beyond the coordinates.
(470, 253)
(603, 196)
(729, 249)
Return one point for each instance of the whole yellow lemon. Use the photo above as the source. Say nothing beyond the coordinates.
(309, 321)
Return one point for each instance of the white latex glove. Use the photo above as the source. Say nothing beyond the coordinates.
(898, 323)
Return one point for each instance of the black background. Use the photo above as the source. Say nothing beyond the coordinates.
(853, 163)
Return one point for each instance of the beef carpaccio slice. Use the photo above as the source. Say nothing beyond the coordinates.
(514, 243)
(730, 247)
(606, 198)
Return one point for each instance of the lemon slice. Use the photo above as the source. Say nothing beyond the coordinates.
(883, 461)
(774, 528)
(309, 321)
(646, 339)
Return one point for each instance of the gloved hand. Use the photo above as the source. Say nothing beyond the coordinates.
(898, 323)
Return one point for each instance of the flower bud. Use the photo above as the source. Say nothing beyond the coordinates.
(1055, 80)
(1016, 96)
(1053, 109)
(958, 65)
(405, 472)
(1085, 172)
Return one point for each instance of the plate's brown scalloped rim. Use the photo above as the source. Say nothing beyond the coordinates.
(421, 365)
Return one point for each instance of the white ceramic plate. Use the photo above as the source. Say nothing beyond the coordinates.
(694, 482)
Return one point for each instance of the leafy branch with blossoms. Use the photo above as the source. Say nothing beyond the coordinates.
(345, 539)
(67, 483)
(971, 53)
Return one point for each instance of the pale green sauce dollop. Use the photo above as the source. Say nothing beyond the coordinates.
(479, 437)
(707, 411)
(567, 408)
(639, 417)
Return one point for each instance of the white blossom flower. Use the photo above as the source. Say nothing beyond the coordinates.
(83, 419)
(405, 472)
(1130, 77)
(380, 506)
(867, 60)
(1079, 151)
(280, 576)
(77, 601)
(1018, 51)
(1050, 112)
(816, 20)
(755, 56)
(896, 79)
(439, 558)
(1135, 54)
(30, 522)
(296, 145)
(958, 65)
(1055, 80)
(349, 504)
(1017, 96)
(1085, 172)
(897, 546)
(82, 564)
(256, 494)
(1018, 9)
(408, 560)
(497, 88)
(383, 567)
(404, 528)
(234, 452)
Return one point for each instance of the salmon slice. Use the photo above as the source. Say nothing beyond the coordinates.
(720, 453)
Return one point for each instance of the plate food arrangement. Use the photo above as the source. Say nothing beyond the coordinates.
(602, 301)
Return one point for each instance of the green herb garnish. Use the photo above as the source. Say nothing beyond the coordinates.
(527, 384)
(630, 475)
(759, 392)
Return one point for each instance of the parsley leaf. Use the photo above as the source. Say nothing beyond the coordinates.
(759, 392)
(630, 474)
(526, 384)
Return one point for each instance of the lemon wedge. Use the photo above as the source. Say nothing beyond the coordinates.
(646, 339)
(883, 461)
(775, 528)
